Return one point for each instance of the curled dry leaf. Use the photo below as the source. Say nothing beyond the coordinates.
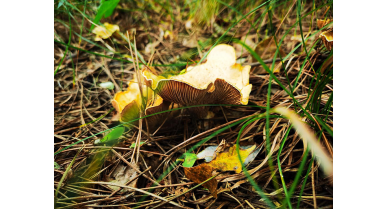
(129, 103)
(229, 161)
(105, 32)
(218, 81)
(199, 174)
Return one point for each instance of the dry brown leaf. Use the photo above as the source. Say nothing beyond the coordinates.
(199, 174)
(229, 161)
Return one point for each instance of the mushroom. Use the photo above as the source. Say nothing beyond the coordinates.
(327, 35)
(327, 38)
(129, 104)
(220, 80)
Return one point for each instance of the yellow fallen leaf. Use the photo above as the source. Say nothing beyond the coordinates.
(229, 161)
(105, 32)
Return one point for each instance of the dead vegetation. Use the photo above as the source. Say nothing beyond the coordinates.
(172, 36)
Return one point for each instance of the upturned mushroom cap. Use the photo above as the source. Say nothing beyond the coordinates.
(129, 103)
(218, 81)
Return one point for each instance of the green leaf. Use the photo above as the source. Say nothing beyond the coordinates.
(190, 159)
(133, 144)
(60, 3)
(114, 134)
(56, 165)
(105, 9)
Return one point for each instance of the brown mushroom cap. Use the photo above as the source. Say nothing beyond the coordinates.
(218, 81)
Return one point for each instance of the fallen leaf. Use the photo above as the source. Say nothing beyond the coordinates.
(122, 175)
(134, 144)
(111, 136)
(107, 85)
(229, 161)
(207, 153)
(221, 146)
(105, 32)
(251, 156)
(56, 166)
(201, 173)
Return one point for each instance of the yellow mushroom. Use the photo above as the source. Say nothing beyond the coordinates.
(129, 103)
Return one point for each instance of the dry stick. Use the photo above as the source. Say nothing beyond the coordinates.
(119, 148)
(192, 139)
(133, 167)
(151, 139)
(147, 166)
(249, 204)
(234, 199)
(206, 198)
(87, 202)
(83, 197)
(171, 185)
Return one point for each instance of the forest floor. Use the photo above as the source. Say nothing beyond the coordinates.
(291, 66)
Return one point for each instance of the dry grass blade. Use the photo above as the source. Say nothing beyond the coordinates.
(306, 133)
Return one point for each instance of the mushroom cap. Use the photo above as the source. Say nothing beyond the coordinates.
(218, 81)
(129, 103)
(327, 38)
